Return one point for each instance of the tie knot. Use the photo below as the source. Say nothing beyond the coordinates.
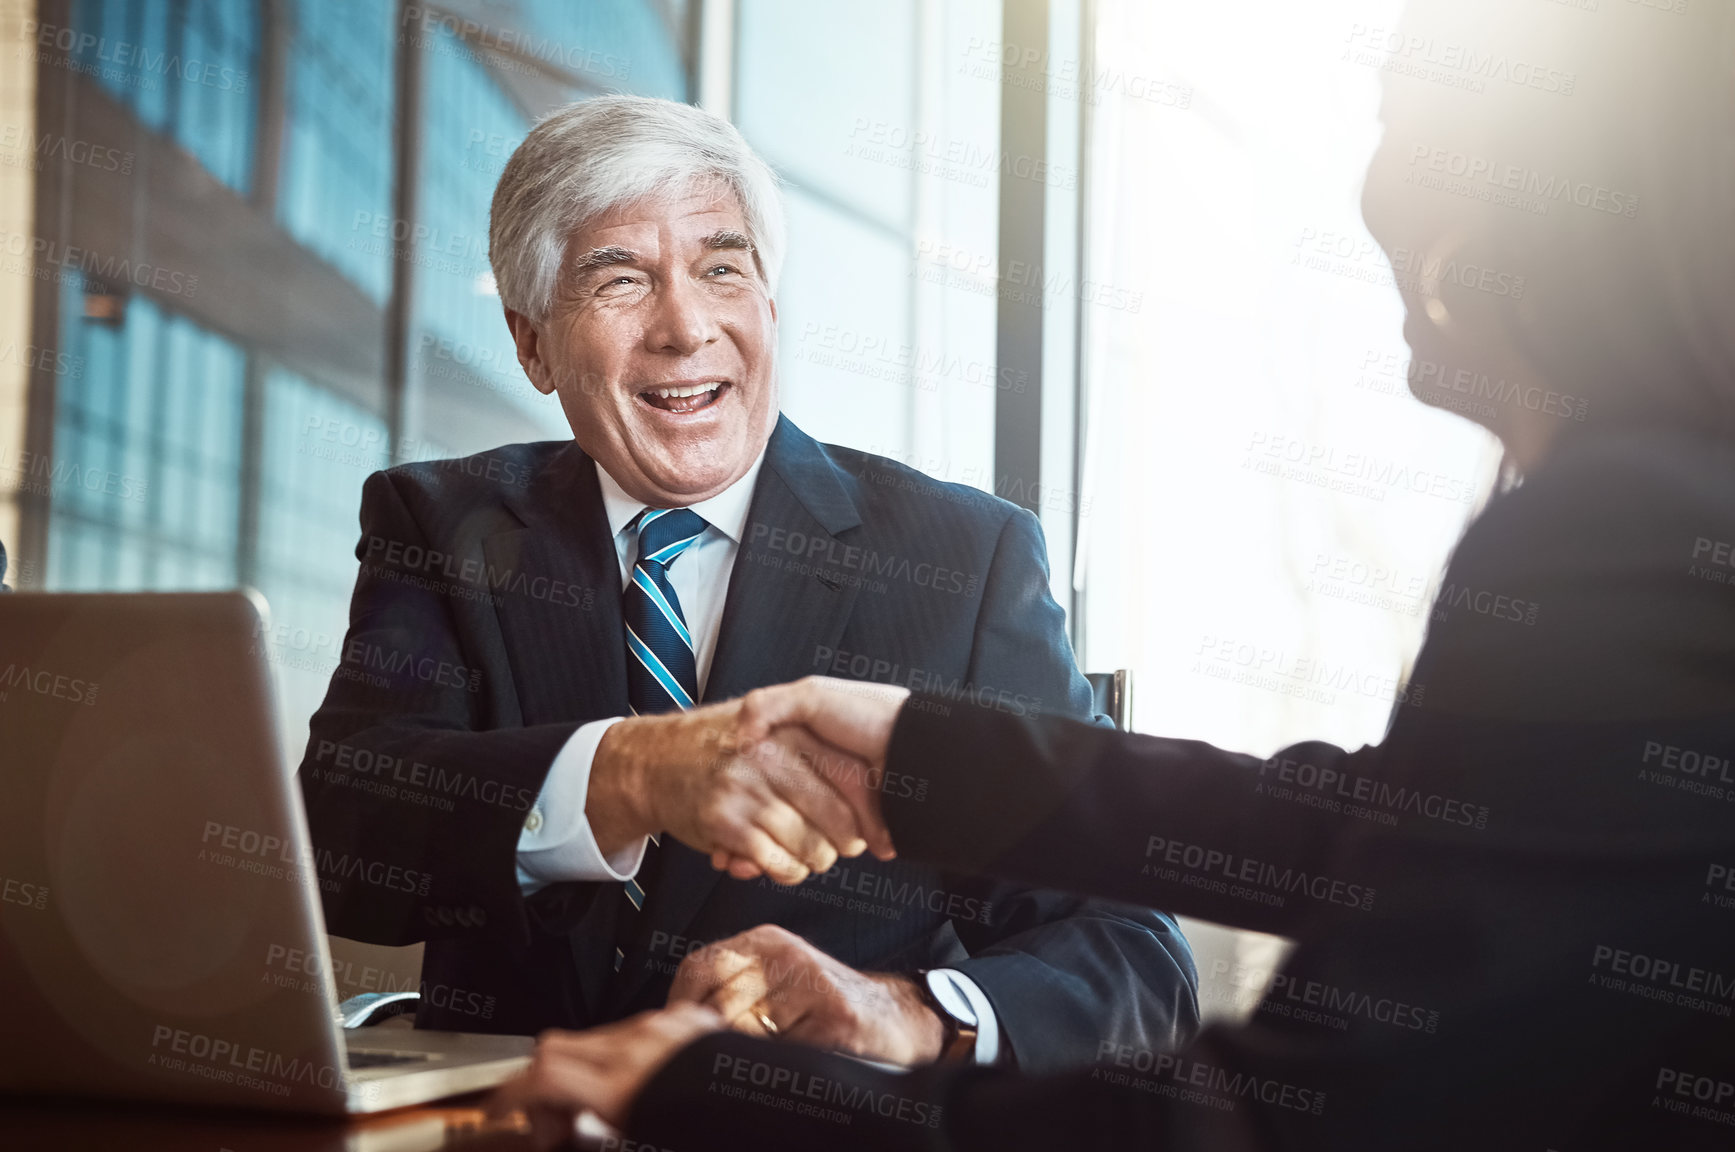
(665, 533)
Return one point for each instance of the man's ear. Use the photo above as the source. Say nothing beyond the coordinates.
(527, 340)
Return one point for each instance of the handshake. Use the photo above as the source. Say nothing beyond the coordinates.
(779, 783)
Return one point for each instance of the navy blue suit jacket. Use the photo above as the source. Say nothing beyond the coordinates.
(486, 627)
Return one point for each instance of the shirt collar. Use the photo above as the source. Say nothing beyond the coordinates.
(726, 511)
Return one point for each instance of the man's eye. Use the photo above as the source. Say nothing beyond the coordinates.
(720, 268)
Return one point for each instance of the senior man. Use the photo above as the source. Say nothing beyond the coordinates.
(688, 545)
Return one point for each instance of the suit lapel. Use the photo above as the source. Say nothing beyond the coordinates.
(779, 610)
(556, 585)
(777, 616)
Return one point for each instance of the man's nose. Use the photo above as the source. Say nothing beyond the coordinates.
(683, 322)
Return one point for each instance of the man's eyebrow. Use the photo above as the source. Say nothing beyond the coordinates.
(604, 257)
(728, 238)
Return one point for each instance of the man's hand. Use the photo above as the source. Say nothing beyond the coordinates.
(602, 1069)
(768, 802)
(769, 973)
(850, 717)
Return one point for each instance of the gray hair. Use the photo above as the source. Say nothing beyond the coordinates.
(590, 157)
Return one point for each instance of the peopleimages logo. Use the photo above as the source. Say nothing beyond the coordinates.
(788, 1090)
(1710, 1092)
(90, 51)
(1719, 886)
(231, 1062)
(107, 269)
(860, 666)
(1546, 188)
(436, 27)
(1172, 1072)
(23, 894)
(887, 896)
(849, 559)
(1435, 378)
(1410, 52)
(362, 659)
(50, 146)
(1718, 552)
(264, 854)
(1227, 874)
(1355, 788)
(1318, 1002)
(334, 760)
(408, 562)
(1494, 605)
(43, 682)
(1663, 981)
(1689, 761)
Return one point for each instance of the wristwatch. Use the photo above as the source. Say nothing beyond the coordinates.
(953, 1008)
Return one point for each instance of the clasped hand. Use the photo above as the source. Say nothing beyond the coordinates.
(779, 783)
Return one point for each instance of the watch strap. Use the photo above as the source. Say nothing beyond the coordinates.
(959, 1043)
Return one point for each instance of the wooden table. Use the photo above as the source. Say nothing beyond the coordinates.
(31, 1123)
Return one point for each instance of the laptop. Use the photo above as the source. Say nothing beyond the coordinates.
(160, 927)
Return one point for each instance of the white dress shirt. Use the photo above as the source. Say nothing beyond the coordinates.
(557, 842)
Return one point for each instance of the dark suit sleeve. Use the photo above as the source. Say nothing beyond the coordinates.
(729, 1092)
(1066, 974)
(1143, 819)
(1046, 799)
(414, 811)
(1548, 582)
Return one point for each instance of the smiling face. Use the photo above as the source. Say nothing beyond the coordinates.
(661, 345)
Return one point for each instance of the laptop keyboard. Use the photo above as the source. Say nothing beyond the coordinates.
(377, 1058)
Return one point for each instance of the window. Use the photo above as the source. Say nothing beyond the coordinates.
(1252, 549)
(337, 171)
(461, 340)
(610, 45)
(145, 474)
(887, 142)
(318, 449)
(188, 68)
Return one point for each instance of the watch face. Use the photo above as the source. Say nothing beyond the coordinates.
(949, 997)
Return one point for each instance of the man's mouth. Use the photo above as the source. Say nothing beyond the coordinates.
(684, 398)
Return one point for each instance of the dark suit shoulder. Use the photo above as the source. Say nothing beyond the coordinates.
(1607, 515)
(455, 503)
(1608, 494)
(491, 475)
(885, 488)
(1594, 588)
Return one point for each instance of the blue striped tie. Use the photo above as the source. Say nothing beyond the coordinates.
(661, 673)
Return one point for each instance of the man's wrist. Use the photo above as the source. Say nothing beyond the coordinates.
(924, 1029)
(617, 802)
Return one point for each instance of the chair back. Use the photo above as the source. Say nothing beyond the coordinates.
(1112, 693)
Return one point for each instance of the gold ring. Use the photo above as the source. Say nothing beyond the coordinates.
(767, 1023)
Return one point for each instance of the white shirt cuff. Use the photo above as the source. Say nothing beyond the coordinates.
(972, 1006)
(557, 843)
